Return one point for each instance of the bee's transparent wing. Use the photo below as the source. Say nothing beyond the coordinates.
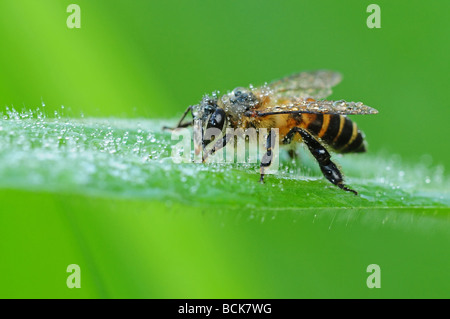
(314, 84)
(297, 106)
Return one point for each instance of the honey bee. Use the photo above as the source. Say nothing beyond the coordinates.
(296, 106)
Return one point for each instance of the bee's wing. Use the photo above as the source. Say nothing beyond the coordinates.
(315, 84)
(296, 106)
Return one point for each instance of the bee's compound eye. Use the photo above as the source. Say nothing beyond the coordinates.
(217, 119)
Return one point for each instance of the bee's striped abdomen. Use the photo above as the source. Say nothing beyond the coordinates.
(338, 131)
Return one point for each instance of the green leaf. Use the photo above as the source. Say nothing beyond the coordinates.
(105, 194)
(131, 158)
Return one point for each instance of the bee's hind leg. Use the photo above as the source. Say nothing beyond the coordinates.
(328, 168)
(267, 158)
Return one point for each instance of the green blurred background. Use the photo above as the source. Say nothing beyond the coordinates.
(150, 59)
(153, 58)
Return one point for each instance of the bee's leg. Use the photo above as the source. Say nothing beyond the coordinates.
(328, 168)
(217, 146)
(267, 158)
(293, 154)
(180, 124)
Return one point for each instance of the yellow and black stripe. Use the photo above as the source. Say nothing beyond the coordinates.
(338, 131)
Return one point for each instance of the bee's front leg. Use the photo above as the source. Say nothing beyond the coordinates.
(221, 143)
(180, 122)
(267, 158)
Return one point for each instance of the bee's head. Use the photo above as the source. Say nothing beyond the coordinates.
(213, 118)
(216, 114)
